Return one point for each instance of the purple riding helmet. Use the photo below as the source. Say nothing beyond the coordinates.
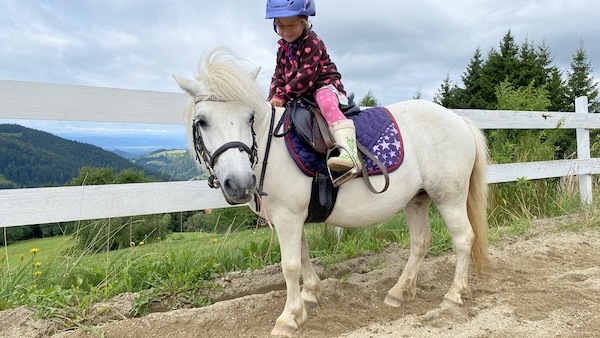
(288, 8)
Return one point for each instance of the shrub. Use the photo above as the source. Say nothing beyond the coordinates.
(221, 220)
(119, 233)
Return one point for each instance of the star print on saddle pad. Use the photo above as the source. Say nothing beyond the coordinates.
(376, 130)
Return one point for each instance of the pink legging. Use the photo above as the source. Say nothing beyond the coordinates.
(329, 104)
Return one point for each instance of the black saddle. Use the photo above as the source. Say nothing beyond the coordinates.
(310, 124)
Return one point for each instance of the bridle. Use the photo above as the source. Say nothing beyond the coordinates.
(211, 159)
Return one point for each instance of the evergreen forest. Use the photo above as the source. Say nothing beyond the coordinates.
(524, 65)
(32, 158)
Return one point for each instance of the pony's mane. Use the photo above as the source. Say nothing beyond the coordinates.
(223, 74)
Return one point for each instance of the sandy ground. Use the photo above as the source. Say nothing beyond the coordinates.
(545, 283)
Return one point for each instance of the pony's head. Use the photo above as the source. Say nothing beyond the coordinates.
(220, 118)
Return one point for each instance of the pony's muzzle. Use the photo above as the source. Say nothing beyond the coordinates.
(238, 190)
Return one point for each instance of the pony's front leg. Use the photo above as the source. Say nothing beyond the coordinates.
(294, 313)
(311, 283)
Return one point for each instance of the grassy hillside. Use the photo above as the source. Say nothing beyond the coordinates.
(176, 163)
(33, 158)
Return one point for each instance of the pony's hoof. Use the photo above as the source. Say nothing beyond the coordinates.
(309, 304)
(392, 301)
(448, 304)
(283, 330)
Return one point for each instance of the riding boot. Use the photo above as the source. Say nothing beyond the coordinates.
(344, 136)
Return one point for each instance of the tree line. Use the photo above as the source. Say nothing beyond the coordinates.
(521, 66)
(523, 78)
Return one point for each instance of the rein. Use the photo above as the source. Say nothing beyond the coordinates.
(266, 157)
(210, 159)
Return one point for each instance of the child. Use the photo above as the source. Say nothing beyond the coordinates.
(304, 69)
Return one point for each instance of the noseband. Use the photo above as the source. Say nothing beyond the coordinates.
(211, 159)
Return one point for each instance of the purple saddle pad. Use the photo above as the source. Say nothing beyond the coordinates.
(376, 130)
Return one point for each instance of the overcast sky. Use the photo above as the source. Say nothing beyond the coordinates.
(394, 48)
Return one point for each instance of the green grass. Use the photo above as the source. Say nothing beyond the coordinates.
(4, 180)
(57, 280)
(49, 250)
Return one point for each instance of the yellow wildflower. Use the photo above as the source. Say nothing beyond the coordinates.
(215, 241)
(38, 264)
(34, 250)
(37, 273)
(141, 242)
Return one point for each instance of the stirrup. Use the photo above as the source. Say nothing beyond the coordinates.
(345, 177)
(348, 174)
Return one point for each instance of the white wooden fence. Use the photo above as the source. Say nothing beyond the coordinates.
(43, 101)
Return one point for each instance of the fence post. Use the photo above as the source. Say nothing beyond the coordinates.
(583, 151)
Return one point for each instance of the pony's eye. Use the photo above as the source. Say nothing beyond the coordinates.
(201, 122)
(251, 121)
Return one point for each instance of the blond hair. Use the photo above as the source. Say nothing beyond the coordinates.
(304, 19)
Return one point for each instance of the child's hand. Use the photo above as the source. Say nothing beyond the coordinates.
(276, 102)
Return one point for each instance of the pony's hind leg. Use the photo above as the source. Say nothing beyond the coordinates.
(457, 221)
(311, 283)
(417, 220)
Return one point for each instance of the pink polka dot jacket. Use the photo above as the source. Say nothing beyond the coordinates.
(303, 66)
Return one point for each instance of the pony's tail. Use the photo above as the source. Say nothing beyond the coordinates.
(477, 201)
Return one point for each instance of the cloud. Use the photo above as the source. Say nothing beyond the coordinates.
(394, 48)
(71, 128)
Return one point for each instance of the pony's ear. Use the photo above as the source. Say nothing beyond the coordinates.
(255, 72)
(190, 86)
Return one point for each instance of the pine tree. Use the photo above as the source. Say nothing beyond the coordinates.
(418, 94)
(369, 100)
(532, 67)
(557, 91)
(509, 53)
(552, 76)
(448, 95)
(580, 81)
(443, 93)
(473, 80)
(500, 66)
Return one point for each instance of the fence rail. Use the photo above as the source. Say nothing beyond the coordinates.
(43, 101)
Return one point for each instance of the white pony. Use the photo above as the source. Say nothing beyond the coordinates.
(445, 160)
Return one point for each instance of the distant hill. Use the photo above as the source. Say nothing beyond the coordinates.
(125, 154)
(131, 145)
(33, 158)
(176, 163)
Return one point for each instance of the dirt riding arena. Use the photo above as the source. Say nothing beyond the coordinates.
(545, 283)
